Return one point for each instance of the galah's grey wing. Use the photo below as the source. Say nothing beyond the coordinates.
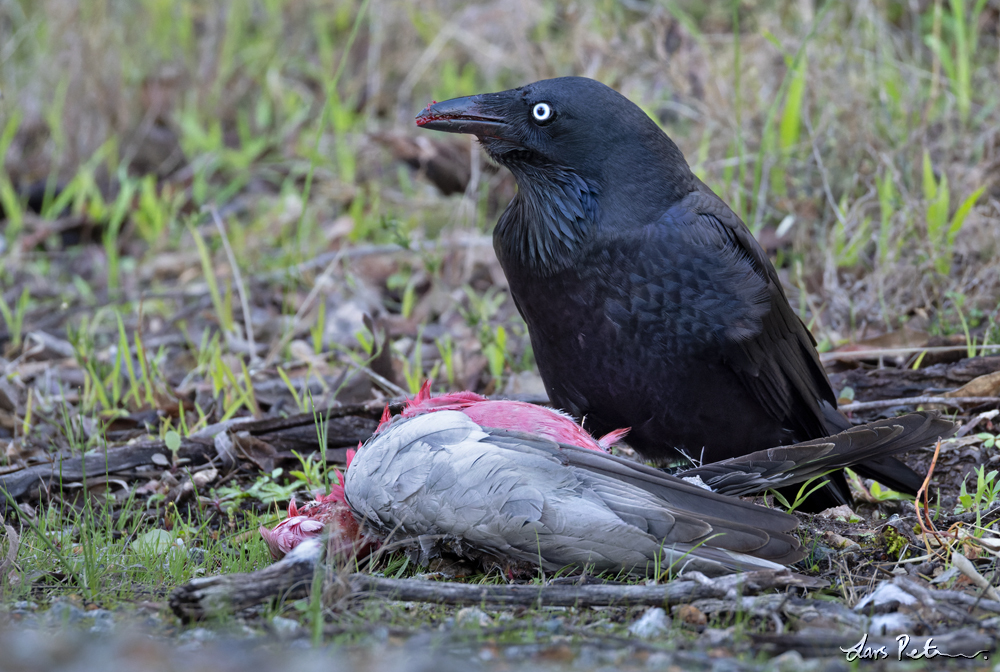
(789, 465)
(442, 482)
(739, 526)
(437, 480)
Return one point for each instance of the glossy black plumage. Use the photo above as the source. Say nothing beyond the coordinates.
(648, 302)
(783, 466)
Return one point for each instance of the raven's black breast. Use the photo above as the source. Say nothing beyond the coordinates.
(635, 335)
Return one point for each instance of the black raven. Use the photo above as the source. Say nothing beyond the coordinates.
(648, 301)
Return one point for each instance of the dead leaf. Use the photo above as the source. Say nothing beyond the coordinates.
(836, 541)
(259, 452)
(9, 421)
(40, 345)
(338, 228)
(987, 385)
(9, 397)
(446, 163)
(842, 511)
(204, 477)
(304, 352)
(969, 570)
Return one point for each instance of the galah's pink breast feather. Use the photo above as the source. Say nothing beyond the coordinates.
(512, 415)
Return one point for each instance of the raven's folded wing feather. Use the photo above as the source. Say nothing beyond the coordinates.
(791, 465)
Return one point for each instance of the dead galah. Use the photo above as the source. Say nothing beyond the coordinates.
(441, 483)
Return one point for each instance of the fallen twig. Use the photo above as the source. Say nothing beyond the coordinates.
(679, 591)
(238, 281)
(116, 459)
(848, 355)
(949, 603)
(965, 566)
(7, 565)
(912, 401)
(346, 426)
(292, 576)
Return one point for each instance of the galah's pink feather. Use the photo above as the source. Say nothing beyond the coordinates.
(514, 415)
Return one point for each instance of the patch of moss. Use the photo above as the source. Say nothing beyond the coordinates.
(895, 542)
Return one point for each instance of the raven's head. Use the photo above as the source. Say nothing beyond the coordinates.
(569, 123)
(583, 155)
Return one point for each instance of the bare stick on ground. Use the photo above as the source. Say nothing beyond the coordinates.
(291, 578)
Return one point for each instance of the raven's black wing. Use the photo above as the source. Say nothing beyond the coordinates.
(790, 465)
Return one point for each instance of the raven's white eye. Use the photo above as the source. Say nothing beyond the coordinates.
(542, 112)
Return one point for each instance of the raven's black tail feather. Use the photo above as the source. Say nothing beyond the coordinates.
(867, 449)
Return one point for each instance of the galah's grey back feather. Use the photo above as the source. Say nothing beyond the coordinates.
(439, 481)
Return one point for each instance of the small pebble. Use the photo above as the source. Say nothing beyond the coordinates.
(62, 613)
(194, 639)
(104, 622)
(286, 628)
(714, 637)
(652, 623)
(553, 625)
(659, 660)
(472, 617)
(789, 661)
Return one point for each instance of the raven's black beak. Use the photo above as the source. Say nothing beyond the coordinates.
(461, 115)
